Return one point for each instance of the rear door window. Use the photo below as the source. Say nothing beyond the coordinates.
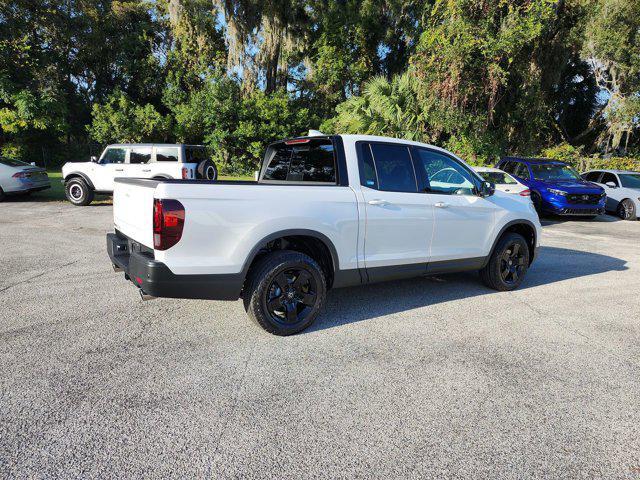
(140, 155)
(311, 160)
(394, 168)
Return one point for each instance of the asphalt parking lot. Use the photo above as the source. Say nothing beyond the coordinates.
(434, 377)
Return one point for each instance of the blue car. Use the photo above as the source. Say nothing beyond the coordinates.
(556, 188)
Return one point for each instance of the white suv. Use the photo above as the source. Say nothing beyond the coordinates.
(159, 161)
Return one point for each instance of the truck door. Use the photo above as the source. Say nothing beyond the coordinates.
(110, 166)
(463, 220)
(399, 221)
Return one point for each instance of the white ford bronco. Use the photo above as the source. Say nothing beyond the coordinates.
(158, 161)
(325, 212)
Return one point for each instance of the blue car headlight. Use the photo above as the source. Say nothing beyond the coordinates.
(557, 192)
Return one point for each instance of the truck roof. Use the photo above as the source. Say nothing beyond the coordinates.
(368, 138)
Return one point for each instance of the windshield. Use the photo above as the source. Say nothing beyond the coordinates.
(499, 178)
(553, 171)
(11, 162)
(630, 180)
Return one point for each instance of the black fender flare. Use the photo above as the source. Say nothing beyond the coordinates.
(290, 233)
(81, 175)
(504, 229)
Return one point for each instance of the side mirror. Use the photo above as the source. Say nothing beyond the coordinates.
(486, 189)
(611, 185)
(94, 159)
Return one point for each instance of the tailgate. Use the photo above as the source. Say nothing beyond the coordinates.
(133, 208)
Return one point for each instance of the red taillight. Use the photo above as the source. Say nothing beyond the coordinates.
(168, 222)
(525, 193)
(185, 172)
(20, 175)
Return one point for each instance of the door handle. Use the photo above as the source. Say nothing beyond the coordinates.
(378, 201)
(147, 170)
(119, 169)
(442, 205)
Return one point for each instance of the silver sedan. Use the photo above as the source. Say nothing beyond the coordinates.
(17, 177)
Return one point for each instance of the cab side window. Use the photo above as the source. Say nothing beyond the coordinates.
(439, 173)
(387, 167)
(114, 155)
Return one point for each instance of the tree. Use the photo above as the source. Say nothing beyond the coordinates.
(613, 50)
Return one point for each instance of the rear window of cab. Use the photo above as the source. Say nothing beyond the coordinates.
(301, 160)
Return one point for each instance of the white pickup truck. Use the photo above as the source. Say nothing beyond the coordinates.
(82, 180)
(325, 212)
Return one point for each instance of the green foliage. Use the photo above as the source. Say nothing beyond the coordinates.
(237, 125)
(121, 120)
(575, 157)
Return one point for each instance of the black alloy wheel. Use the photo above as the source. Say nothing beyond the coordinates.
(512, 263)
(508, 263)
(284, 291)
(291, 296)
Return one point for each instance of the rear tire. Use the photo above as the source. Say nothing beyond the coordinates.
(2, 195)
(78, 192)
(626, 210)
(285, 292)
(207, 170)
(508, 264)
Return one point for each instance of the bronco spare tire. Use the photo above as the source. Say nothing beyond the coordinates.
(207, 170)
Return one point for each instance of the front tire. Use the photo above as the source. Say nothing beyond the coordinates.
(285, 292)
(2, 195)
(78, 192)
(508, 264)
(626, 210)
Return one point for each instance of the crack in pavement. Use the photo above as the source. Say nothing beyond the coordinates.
(27, 280)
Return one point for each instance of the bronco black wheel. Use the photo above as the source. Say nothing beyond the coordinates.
(508, 264)
(285, 292)
(626, 210)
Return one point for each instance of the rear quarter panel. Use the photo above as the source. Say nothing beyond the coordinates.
(224, 222)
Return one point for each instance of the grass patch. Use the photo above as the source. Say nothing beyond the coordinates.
(56, 192)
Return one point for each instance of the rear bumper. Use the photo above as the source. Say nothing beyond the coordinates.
(27, 188)
(154, 278)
